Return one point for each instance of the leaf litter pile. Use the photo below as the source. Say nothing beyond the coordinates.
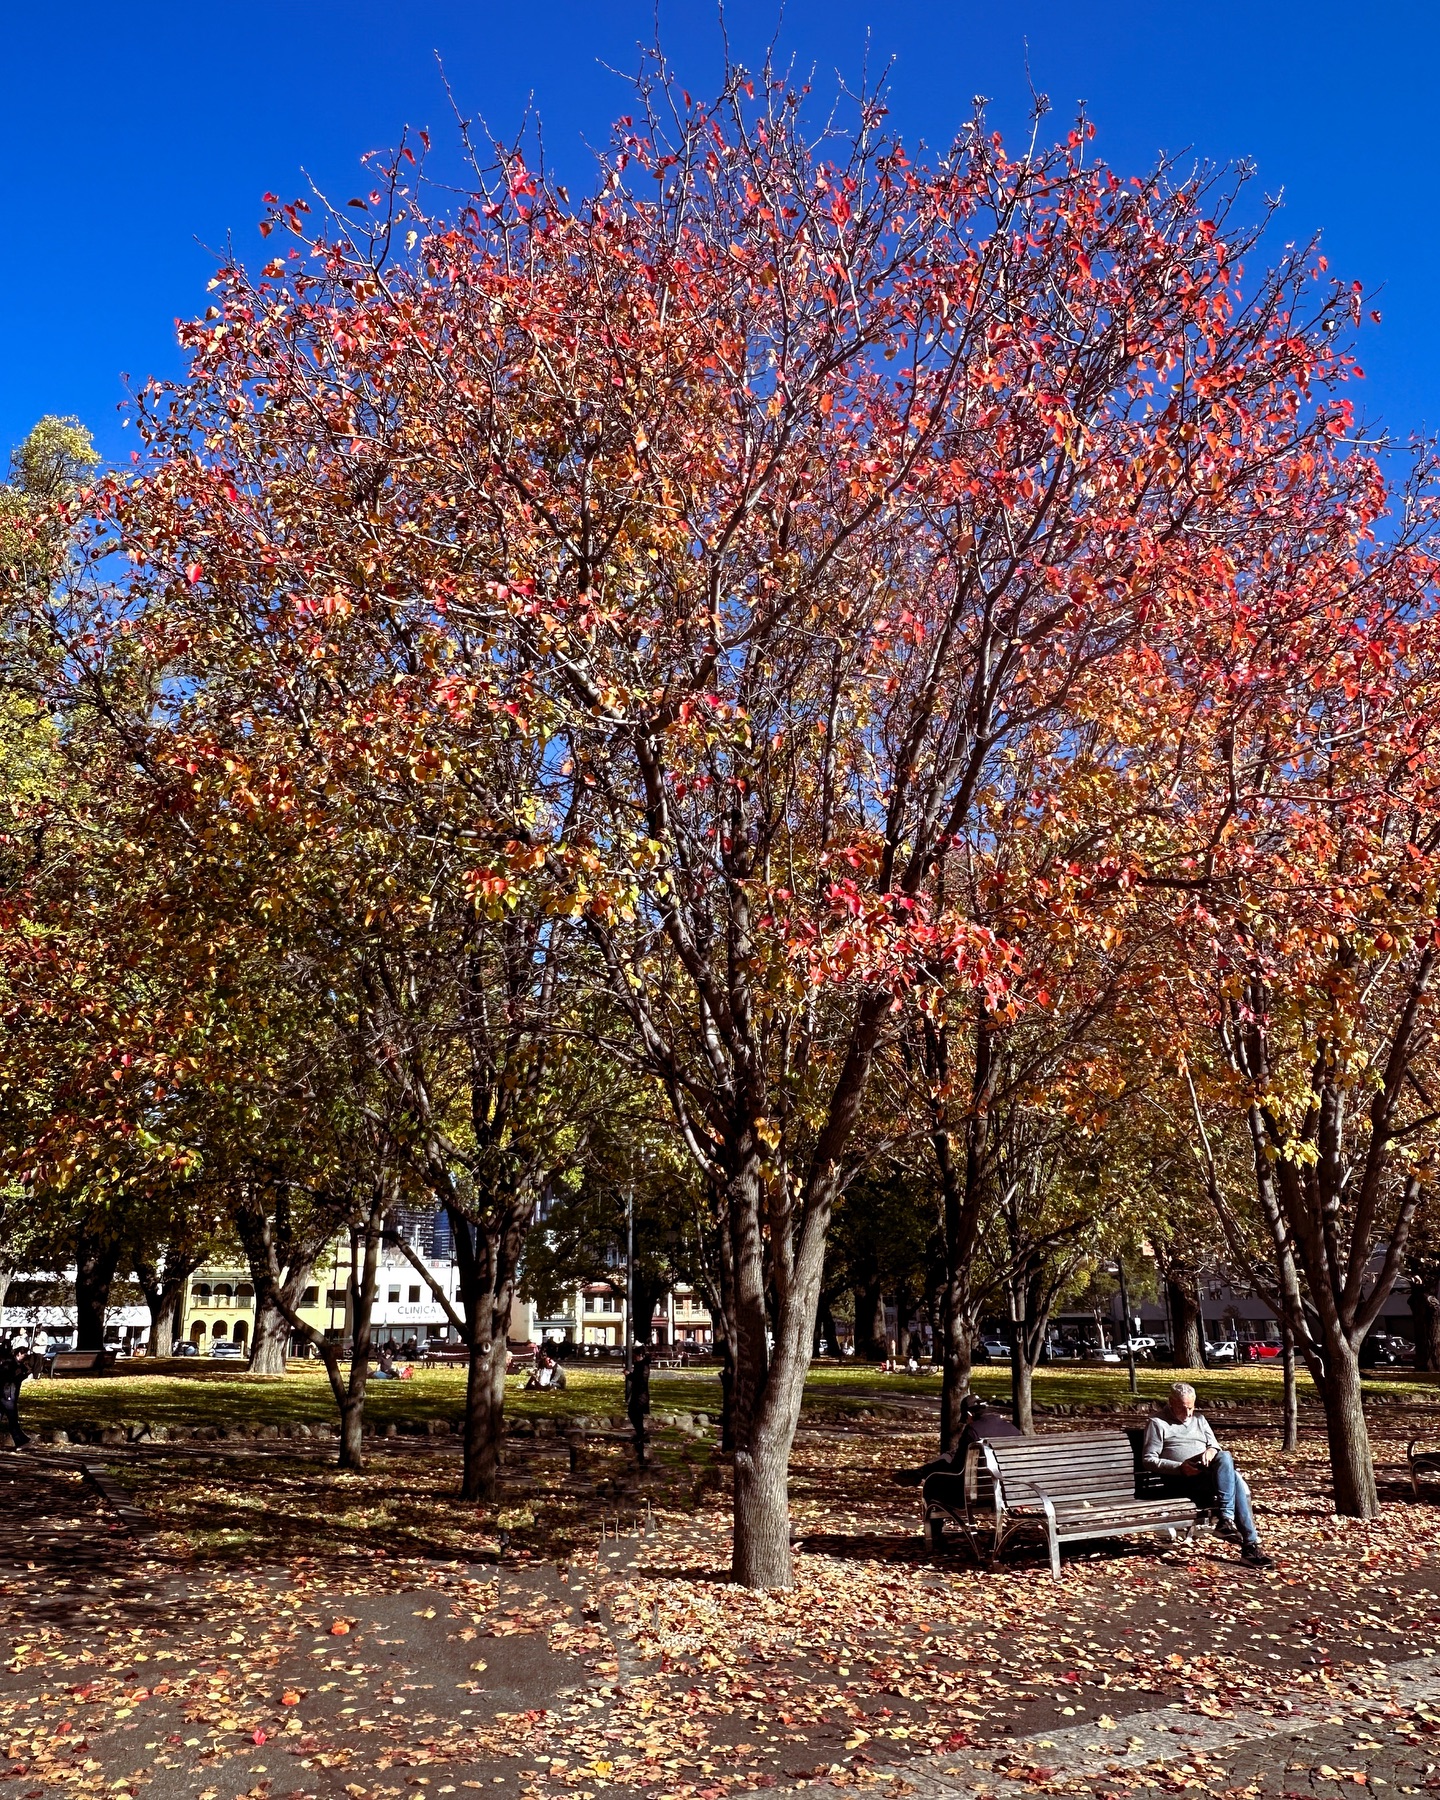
(288, 1630)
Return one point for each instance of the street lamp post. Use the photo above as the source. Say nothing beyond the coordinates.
(629, 1276)
(1129, 1328)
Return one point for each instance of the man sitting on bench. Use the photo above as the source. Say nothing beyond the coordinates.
(1180, 1445)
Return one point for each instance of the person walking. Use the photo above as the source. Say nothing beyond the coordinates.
(14, 1369)
(637, 1398)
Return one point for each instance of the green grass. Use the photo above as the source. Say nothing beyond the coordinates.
(213, 1396)
(231, 1397)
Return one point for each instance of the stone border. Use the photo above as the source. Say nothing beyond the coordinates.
(98, 1476)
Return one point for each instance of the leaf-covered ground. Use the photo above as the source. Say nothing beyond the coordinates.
(289, 1630)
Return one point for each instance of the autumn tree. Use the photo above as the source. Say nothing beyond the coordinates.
(712, 547)
(1310, 1016)
(798, 448)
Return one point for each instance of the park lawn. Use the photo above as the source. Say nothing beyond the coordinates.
(226, 1397)
(230, 1397)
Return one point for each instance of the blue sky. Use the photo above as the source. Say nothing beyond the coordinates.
(137, 134)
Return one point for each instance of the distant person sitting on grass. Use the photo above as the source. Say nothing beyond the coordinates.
(547, 1373)
(14, 1369)
(1180, 1445)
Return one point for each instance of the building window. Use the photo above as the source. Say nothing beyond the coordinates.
(414, 1296)
(310, 1296)
(392, 1296)
(244, 1291)
(335, 1297)
(201, 1296)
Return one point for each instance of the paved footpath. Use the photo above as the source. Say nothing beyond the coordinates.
(1370, 1728)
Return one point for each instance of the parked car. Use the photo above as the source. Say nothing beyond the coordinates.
(228, 1351)
(1224, 1351)
(186, 1349)
(1262, 1352)
(993, 1349)
(1140, 1344)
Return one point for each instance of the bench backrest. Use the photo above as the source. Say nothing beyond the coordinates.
(1149, 1483)
(1088, 1465)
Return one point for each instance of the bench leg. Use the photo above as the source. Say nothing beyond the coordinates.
(1054, 1551)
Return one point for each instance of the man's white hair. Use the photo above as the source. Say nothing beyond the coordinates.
(1183, 1389)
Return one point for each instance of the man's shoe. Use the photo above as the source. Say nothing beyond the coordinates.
(1226, 1528)
(1256, 1557)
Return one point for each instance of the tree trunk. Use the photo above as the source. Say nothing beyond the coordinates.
(1022, 1379)
(487, 1258)
(271, 1289)
(1185, 1321)
(825, 1329)
(1352, 1467)
(769, 1381)
(164, 1290)
(364, 1258)
(1035, 1298)
(484, 1423)
(95, 1264)
(723, 1329)
(964, 1187)
(270, 1344)
(1290, 1400)
(904, 1306)
(474, 1265)
(870, 1322)
(167, 1320)
(1425, 1312)
(648, 1296)
(762, 1518)
(956, 1350)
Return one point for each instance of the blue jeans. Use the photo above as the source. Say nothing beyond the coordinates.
(1221, 1485)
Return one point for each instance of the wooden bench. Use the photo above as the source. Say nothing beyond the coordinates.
(1072, 1486)
(82, 1362)
(1422, 1462)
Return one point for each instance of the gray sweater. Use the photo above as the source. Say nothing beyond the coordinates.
(1168, 1445)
